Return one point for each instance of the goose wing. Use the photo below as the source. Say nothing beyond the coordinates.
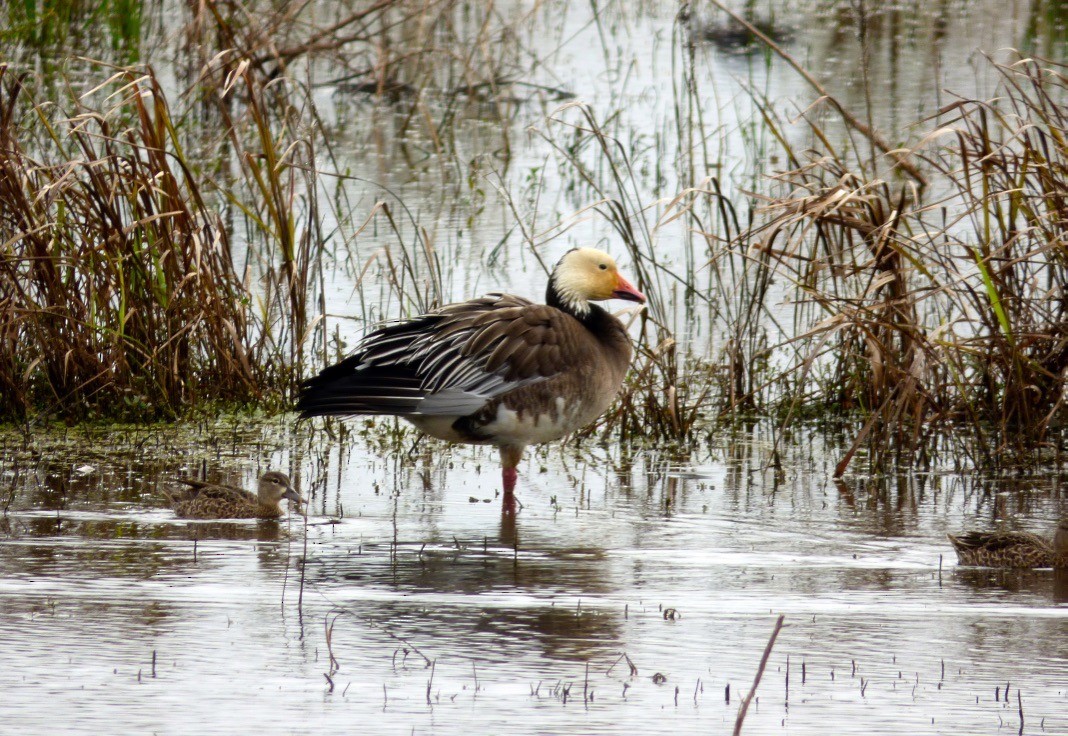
(448, 362)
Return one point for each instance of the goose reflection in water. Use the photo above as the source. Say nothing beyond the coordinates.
(500, 588)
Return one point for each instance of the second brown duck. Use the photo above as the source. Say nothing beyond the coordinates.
(1012, 549)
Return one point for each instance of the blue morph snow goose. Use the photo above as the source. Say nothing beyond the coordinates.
(499, 370)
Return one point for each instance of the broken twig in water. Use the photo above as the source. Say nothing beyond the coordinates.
(630, 664)
(756, 680)
(430, 682)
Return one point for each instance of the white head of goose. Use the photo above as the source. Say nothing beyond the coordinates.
(499, 370)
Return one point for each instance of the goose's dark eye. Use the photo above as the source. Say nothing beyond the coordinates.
(604, 266)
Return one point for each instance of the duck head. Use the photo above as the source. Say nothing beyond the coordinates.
(584, 275)
(275, 487)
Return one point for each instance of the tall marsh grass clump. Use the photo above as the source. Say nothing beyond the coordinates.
(118, 291)
(924, 315)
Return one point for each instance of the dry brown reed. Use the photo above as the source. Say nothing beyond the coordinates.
(117, 287)
(921, 315)
(744, 707)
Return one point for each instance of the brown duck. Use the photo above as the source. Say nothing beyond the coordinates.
(213, 501)
(499, 370)
(1012, 549)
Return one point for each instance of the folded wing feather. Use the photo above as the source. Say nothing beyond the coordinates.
(447, 362)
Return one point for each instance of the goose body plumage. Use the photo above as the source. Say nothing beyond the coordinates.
(498, 370)
(1012, 549)
(202, 500)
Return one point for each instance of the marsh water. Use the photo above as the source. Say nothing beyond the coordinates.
(629, 593)
(636, 589)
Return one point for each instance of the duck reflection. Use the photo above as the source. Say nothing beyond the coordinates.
(80, 548)
(1043, 585)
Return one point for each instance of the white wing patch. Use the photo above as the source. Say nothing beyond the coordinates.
(454, 402)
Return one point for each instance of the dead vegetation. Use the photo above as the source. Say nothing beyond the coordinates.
(921, 315)
(155, 259)
(118, 292)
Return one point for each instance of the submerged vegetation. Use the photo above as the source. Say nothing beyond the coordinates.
(169, 245)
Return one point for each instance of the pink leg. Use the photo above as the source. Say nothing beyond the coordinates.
(509, 476)
(510, 457)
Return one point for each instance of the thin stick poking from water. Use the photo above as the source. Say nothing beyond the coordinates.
(1019, 702)
(756, 680)
(303, 567)
(787, 680)
(328, 627)
(430, 682)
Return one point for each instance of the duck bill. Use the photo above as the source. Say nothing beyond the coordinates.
(293, 496)
(624, 290)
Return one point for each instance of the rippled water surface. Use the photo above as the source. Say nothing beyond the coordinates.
(630, 592)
